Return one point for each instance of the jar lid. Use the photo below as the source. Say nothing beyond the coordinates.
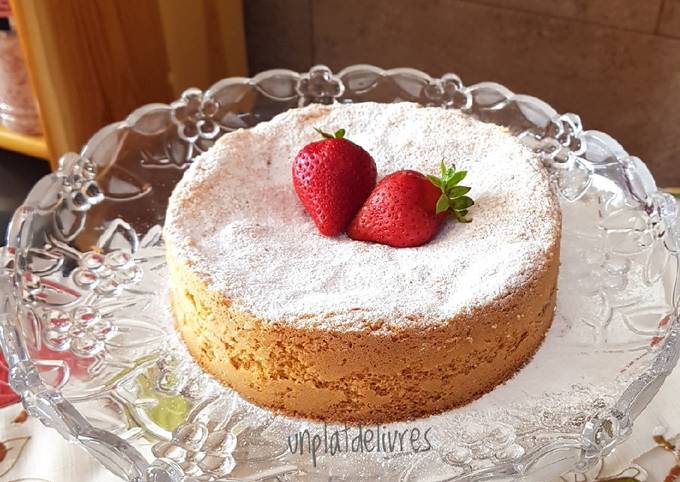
(5, 14)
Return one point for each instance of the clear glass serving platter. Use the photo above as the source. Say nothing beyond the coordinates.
(87, 333)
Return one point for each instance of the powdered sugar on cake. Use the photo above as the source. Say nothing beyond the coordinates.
(236, 221)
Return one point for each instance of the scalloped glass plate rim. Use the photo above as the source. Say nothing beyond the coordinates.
(58, 412)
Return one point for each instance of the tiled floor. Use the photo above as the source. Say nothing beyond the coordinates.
(17, 175)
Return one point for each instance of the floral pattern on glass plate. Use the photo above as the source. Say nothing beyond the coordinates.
(88, 334)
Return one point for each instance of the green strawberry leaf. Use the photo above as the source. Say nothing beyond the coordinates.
(453, 197)
(457, 191)
(442, 204)
(458, 176)
(325, 135)
(435, 180)
(460, 217)
(463, 202)
(339, 134)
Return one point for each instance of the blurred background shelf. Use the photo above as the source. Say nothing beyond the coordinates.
(91, 63)
(34, 146)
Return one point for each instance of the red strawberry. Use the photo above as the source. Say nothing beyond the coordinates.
(333, 177)
(406, 208)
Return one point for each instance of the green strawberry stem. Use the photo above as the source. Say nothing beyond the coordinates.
(339, 134)
(453, 198)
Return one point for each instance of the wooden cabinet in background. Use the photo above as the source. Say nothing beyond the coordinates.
(92, 62)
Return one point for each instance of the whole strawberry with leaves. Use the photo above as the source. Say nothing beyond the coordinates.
(332, 178)
(407, 208)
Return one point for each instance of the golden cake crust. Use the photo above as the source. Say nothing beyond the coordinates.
(338, 330)
(363, 376)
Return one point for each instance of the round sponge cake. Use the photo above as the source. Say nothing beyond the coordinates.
(342, 330)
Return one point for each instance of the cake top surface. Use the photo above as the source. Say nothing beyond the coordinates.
(235, 220)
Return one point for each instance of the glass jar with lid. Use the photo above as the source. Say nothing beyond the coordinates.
(18, 108)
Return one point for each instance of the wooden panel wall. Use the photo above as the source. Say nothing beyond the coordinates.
(204, 41)
(614, 62)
